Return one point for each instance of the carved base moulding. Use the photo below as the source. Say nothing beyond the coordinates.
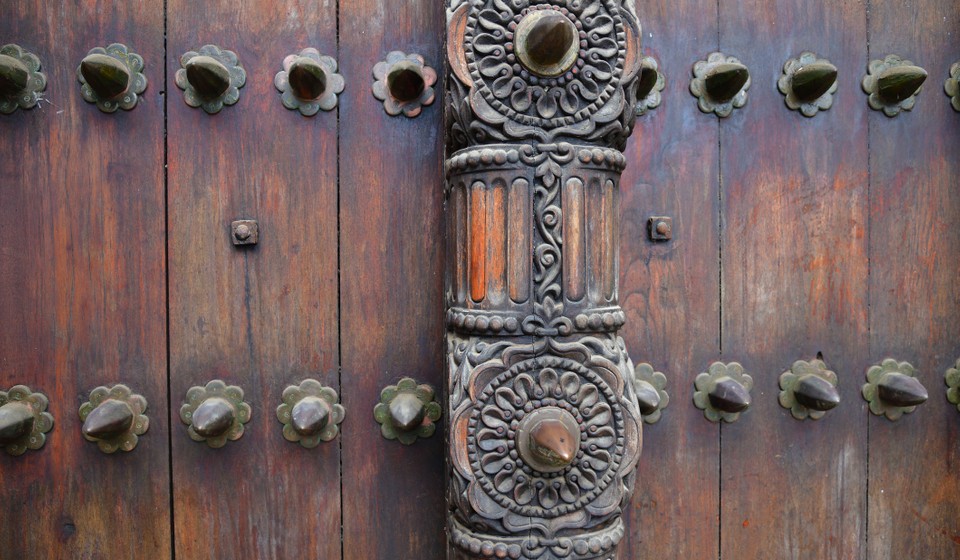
(545, 429)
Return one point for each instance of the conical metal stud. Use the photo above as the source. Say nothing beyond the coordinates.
(892, 389)
(723, 391)
(720, 84)
(898, 389)
(21, 81)
(112, 77)
(107, 76)
(548, 439)
(13, 76)
(108, 420)
(809, 389)
(647, 397)
(813, 80)
(308, 79)
(114, 418)
(724, 81)
(309, 82)
(729, 395)
(16, 421)
(407, 411)
(24, 420)
(208, 76)
(405, 81)
(310, 416)
(816, 393)
(310, 413)
(213, 417)
(893, 84)
(215, 413)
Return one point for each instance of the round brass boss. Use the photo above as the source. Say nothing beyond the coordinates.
(547, 43)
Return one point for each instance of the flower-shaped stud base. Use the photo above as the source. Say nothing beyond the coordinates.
(404, 83)
(892, 389)
(952, 86)
(21, 81)
(111, 77)
(310, 413)
(893, 84)
(210, 78)
(649, 86)
(113, 418)
(808, 84)
(24, 420)
(720, 84)
(952, 378)
(723, 392)
(407, 411)
(215, 413)
(650, 387)
(309, 82)
(808, 390)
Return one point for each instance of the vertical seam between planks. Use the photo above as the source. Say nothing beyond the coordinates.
(866, 525)
(339, 298)
(166, 266)
(719, 309)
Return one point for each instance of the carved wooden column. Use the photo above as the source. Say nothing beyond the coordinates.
(545, 430)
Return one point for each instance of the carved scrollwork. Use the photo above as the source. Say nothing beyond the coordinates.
(545, 429)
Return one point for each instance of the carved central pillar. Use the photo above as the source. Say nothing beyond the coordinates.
(544, 425)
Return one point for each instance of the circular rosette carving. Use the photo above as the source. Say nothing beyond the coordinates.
(215, 413)
(563, 383)
(114, 418)
(24, 420)
(310, 413)
(549, 65)
(210, 78)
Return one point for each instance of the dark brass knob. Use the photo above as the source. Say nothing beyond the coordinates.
(215, 413)
(308, 79)
(648, 397)
(723, 392)
(893, 84)
(648, 77)
(649, 386)
(720, 84)
(310, 413)
(112, 77)
(210, 78)
(404, 83)
(114, 418)
(892, 389)
(809, 389)
(24, 420)
(548, 439)
(21, 81)
(812, 80)
(309, 82)
(546, 43)
(407, 411)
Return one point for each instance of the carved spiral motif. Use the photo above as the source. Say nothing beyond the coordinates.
(525, 387)
(547, 102)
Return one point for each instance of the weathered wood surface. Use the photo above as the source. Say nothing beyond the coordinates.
(260, 317)
(392, 263)
(914, 491)
(794, 261)
(82, 295)
(669, 290)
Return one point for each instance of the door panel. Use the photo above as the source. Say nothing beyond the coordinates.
(794, 283)
(260, 317)
(914, 294)
(82, 296)
(669, 290)
(392, 241)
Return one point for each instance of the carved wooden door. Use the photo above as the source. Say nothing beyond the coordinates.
(213, 256)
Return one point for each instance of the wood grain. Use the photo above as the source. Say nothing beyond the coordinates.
(670, 292)
(82, 296)
(260, 317)
(794, 280)
(392, 304)
(914, 494)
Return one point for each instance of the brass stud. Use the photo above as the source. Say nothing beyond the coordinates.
(407, 411)
(952, 379)
(952, 86)
(649, 85)
(111, 77)
(892, 389)
(404, 83)
(548, 439)
(210, 78)
(309, 82)
(547, 43)
(808, 84)
(808, 390)
(114, 418)
(720, 84)
(310, 413)
(650, 387)
(21, 81)
(893, 84)
(215, 413)
(24, 420)
(723, 392)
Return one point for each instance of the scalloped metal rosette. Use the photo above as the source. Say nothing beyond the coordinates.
(119, 395)
(952, 86)
(327, 100)
(233, 408)
(794, 69)
(136, 85)
(381, 90)
(386, 412)
(34, 420)
(320, 412)
(34, 82)
(236, 77)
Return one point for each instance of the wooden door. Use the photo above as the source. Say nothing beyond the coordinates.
(794, 238)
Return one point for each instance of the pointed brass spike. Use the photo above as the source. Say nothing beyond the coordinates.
(816, 393)
(13, 76)
(407, 412)
(813, 80)
(899, 82)
(308, 79)
(552, 443)
(213, 417)
(725, 80)
(310, 415)
(208, 76)
(647, 396)
(648, 79)
(16, 421)
(106, 76)
(405, 80)
(901, 390)
(110, 419)
(729, 396)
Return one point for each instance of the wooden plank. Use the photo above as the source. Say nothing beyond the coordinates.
(669, 291)
(82, 296)
(794, 281)
(914, 493)
(392, 304)
(260, 317)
